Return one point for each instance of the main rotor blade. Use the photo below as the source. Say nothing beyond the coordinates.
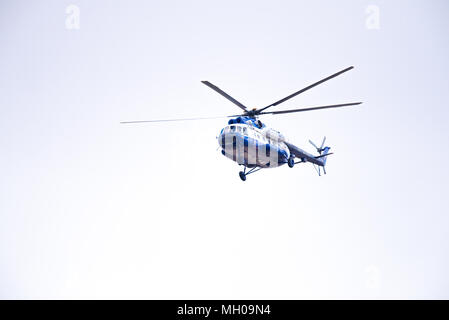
(306, 88)
(312, 108)
(170, 120)
(224, 94)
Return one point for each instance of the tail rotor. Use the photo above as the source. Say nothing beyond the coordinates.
(323, 152)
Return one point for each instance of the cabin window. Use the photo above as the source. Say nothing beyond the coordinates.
(245, 130)
(232, 128)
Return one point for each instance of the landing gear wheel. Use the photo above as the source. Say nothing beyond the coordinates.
(242, 175)
(291, 162)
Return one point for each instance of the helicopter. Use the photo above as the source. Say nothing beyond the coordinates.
(249, 142)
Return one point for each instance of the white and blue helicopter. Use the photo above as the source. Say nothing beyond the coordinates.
(250, 143)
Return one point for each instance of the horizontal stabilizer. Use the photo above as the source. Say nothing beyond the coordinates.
(323, 155)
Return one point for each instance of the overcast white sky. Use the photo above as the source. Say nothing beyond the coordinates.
(93, 209)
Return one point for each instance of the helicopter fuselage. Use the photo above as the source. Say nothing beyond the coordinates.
(253, 146)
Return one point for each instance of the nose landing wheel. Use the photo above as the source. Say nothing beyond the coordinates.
(291, 162)
(242, 175)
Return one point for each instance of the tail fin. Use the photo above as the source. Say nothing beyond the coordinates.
(324, 154)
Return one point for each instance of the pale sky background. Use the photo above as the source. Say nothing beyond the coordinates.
(90, 208)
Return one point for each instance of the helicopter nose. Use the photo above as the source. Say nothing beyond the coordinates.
(221, 139)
